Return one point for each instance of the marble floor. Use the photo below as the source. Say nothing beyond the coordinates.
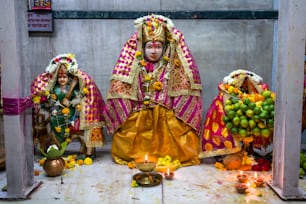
(106, 182)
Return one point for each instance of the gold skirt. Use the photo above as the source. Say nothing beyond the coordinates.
(155, 131)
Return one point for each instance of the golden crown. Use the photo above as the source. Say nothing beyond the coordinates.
(153, 29)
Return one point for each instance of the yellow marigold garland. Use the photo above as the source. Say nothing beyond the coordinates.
(53, 96)
(158, 86)
(85, 91)
(65, 111)
(58, 129)
(78, 107)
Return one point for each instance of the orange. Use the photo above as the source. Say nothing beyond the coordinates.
(236, 120)
(244, 123)
(256, 131)
(265, 132)
(246, 101)
(266, 93)
(249, 113)
(242, 132)
(252, 123)
(261, 125)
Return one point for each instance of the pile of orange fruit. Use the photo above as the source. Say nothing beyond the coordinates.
(248, 115)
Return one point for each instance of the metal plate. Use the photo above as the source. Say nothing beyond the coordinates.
(148, 179)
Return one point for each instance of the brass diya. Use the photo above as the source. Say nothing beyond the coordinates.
(148, 179)
(147, 166)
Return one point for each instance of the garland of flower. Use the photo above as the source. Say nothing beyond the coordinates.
(147, 68)
(232, 77)
(48, 97)
(68, 59)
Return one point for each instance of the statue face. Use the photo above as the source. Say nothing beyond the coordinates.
(153, 51)
(62, 76)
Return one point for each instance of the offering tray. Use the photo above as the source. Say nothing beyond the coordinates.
(148, 179)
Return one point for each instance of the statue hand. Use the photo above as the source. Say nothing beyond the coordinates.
(74, 82)
(65, 102)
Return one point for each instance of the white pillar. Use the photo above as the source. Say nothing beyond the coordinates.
(17, 131)
(289, 99)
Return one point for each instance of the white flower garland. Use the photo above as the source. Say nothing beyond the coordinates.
(167, 21)
(233, 76)
(67, 59)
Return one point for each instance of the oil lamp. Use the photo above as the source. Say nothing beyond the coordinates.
(259, 181)
(242, 178)
(169, 174)
(241, 187)
(147, 177)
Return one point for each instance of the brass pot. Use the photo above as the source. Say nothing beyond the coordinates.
(54, 167)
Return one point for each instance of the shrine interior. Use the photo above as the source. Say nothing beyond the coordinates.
(153, 101)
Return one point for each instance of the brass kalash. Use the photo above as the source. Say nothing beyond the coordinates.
(147, 178)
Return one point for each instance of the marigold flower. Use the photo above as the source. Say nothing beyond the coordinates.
(219, 165)
(146, 102)
(67, 130)
(131, 165)
(85, 91)
(69, 163)
(70, 55)
(36, 99)
(142, 62)
(53, 96)
(156, 21)
(65, 111)
(88, 161)
(42, 161)
(78, 107)
(166, 58)
(70, 157)
(47, 93)
(147, 78)
(138, 55)
(158, 86)
(36, 172)
(230, 89)
(226, 86)
(58, 129)
(80, 162)
(150, 29)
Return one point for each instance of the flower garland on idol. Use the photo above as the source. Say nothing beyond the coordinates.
(147, 69)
